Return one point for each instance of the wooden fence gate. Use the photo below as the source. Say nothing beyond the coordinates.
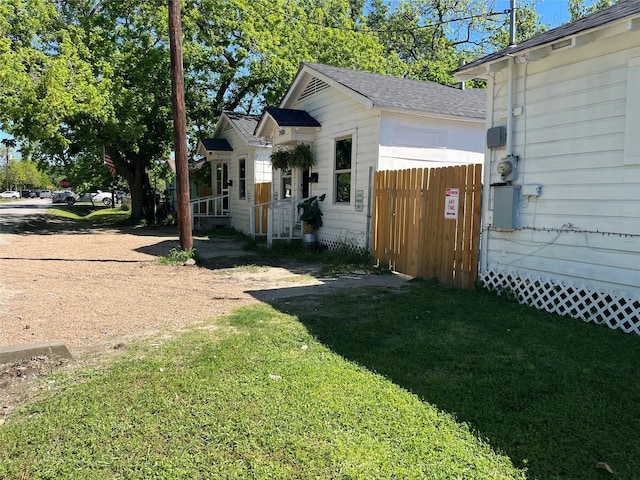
(261, 195)
(426, 222)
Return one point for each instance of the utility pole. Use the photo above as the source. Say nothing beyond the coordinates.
(179, 126)
(512, 24)
(7, 166)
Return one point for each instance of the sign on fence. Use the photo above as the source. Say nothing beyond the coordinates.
(451, 203)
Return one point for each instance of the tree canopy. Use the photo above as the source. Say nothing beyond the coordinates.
(78, 76)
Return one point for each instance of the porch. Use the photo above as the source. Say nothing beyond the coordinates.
(277, 220)
(212, 211)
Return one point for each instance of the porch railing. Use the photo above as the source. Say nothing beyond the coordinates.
(211, 206)
(283, 220)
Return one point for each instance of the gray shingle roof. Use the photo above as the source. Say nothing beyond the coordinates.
(392, 93)
(623, 9)
(246, 125)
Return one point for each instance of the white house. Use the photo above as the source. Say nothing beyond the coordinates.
(562, 170)
(358, 123)
(239, 160)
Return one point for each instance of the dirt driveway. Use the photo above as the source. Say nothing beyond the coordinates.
(98, 289)
(90, 288)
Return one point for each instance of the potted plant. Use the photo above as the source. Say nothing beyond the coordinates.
(311, 217)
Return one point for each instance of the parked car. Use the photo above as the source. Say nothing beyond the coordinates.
(10, 194)
(45, 193)
(28, 194)
(96, 197)
(63, 196)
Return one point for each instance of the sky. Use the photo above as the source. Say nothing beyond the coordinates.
(552, 12)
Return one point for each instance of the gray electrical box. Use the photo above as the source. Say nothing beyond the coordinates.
(506, 199)
(496, 137)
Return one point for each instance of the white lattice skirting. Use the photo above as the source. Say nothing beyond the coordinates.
(335, 240)
(577, 301)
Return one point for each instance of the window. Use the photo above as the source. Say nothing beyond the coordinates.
(342, 183)
(286, 183)
(242, 179)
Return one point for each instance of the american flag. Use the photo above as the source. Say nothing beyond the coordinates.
(108, 161)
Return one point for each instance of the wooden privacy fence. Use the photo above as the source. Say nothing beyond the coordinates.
(262, 196)
(426, 222)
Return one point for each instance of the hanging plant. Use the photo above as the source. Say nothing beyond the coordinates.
(280, 158)
(299, 156)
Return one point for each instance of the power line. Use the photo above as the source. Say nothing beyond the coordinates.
(367, 31)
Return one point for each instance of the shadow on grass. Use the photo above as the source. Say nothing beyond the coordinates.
(556, 395)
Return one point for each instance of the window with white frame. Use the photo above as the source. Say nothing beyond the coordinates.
(287, 188)
(242, 179)
(342, 175)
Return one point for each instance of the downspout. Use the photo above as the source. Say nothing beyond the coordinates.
(367, 242)
(512, 43)
(484, 247)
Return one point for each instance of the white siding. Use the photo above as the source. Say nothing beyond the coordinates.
(258, 169)
(571, 130)
(341, 116)
(409, 141)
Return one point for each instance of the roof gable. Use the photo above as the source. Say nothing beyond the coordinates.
(244, 125)
(390, 93)
(286, 120)
(618, 11)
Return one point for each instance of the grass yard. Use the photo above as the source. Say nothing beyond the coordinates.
(560, 397)
(426, 383)
(90, 214)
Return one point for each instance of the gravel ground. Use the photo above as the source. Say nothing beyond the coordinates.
(96, 290)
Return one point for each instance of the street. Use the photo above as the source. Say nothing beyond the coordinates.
(14, 212)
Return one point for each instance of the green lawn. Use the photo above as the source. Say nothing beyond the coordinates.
(426, 383)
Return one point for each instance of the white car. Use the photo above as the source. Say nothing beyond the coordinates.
(96, 197)
(10, 194)
(63, 196)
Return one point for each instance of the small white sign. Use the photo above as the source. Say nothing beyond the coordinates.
(451, 198)
(359, 200)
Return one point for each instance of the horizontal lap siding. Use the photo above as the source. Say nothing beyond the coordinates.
(341, 116)
(570, 139)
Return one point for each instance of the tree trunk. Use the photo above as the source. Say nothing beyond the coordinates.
(141, 195)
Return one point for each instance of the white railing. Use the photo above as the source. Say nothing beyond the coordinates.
(283, 220)
(211, 206)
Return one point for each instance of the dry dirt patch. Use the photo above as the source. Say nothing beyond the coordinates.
(98, 289)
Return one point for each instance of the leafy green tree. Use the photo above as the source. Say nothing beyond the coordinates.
(578, 9)
(431, 36)
(25, 173)
(527, 25)
(44, 80)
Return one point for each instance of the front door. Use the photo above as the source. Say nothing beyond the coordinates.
(222, 184)
(305, 183)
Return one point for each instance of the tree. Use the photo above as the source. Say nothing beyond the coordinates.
(578, 9)
(238, 55)
(527, 25)
(44, 80)
(431, 36)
